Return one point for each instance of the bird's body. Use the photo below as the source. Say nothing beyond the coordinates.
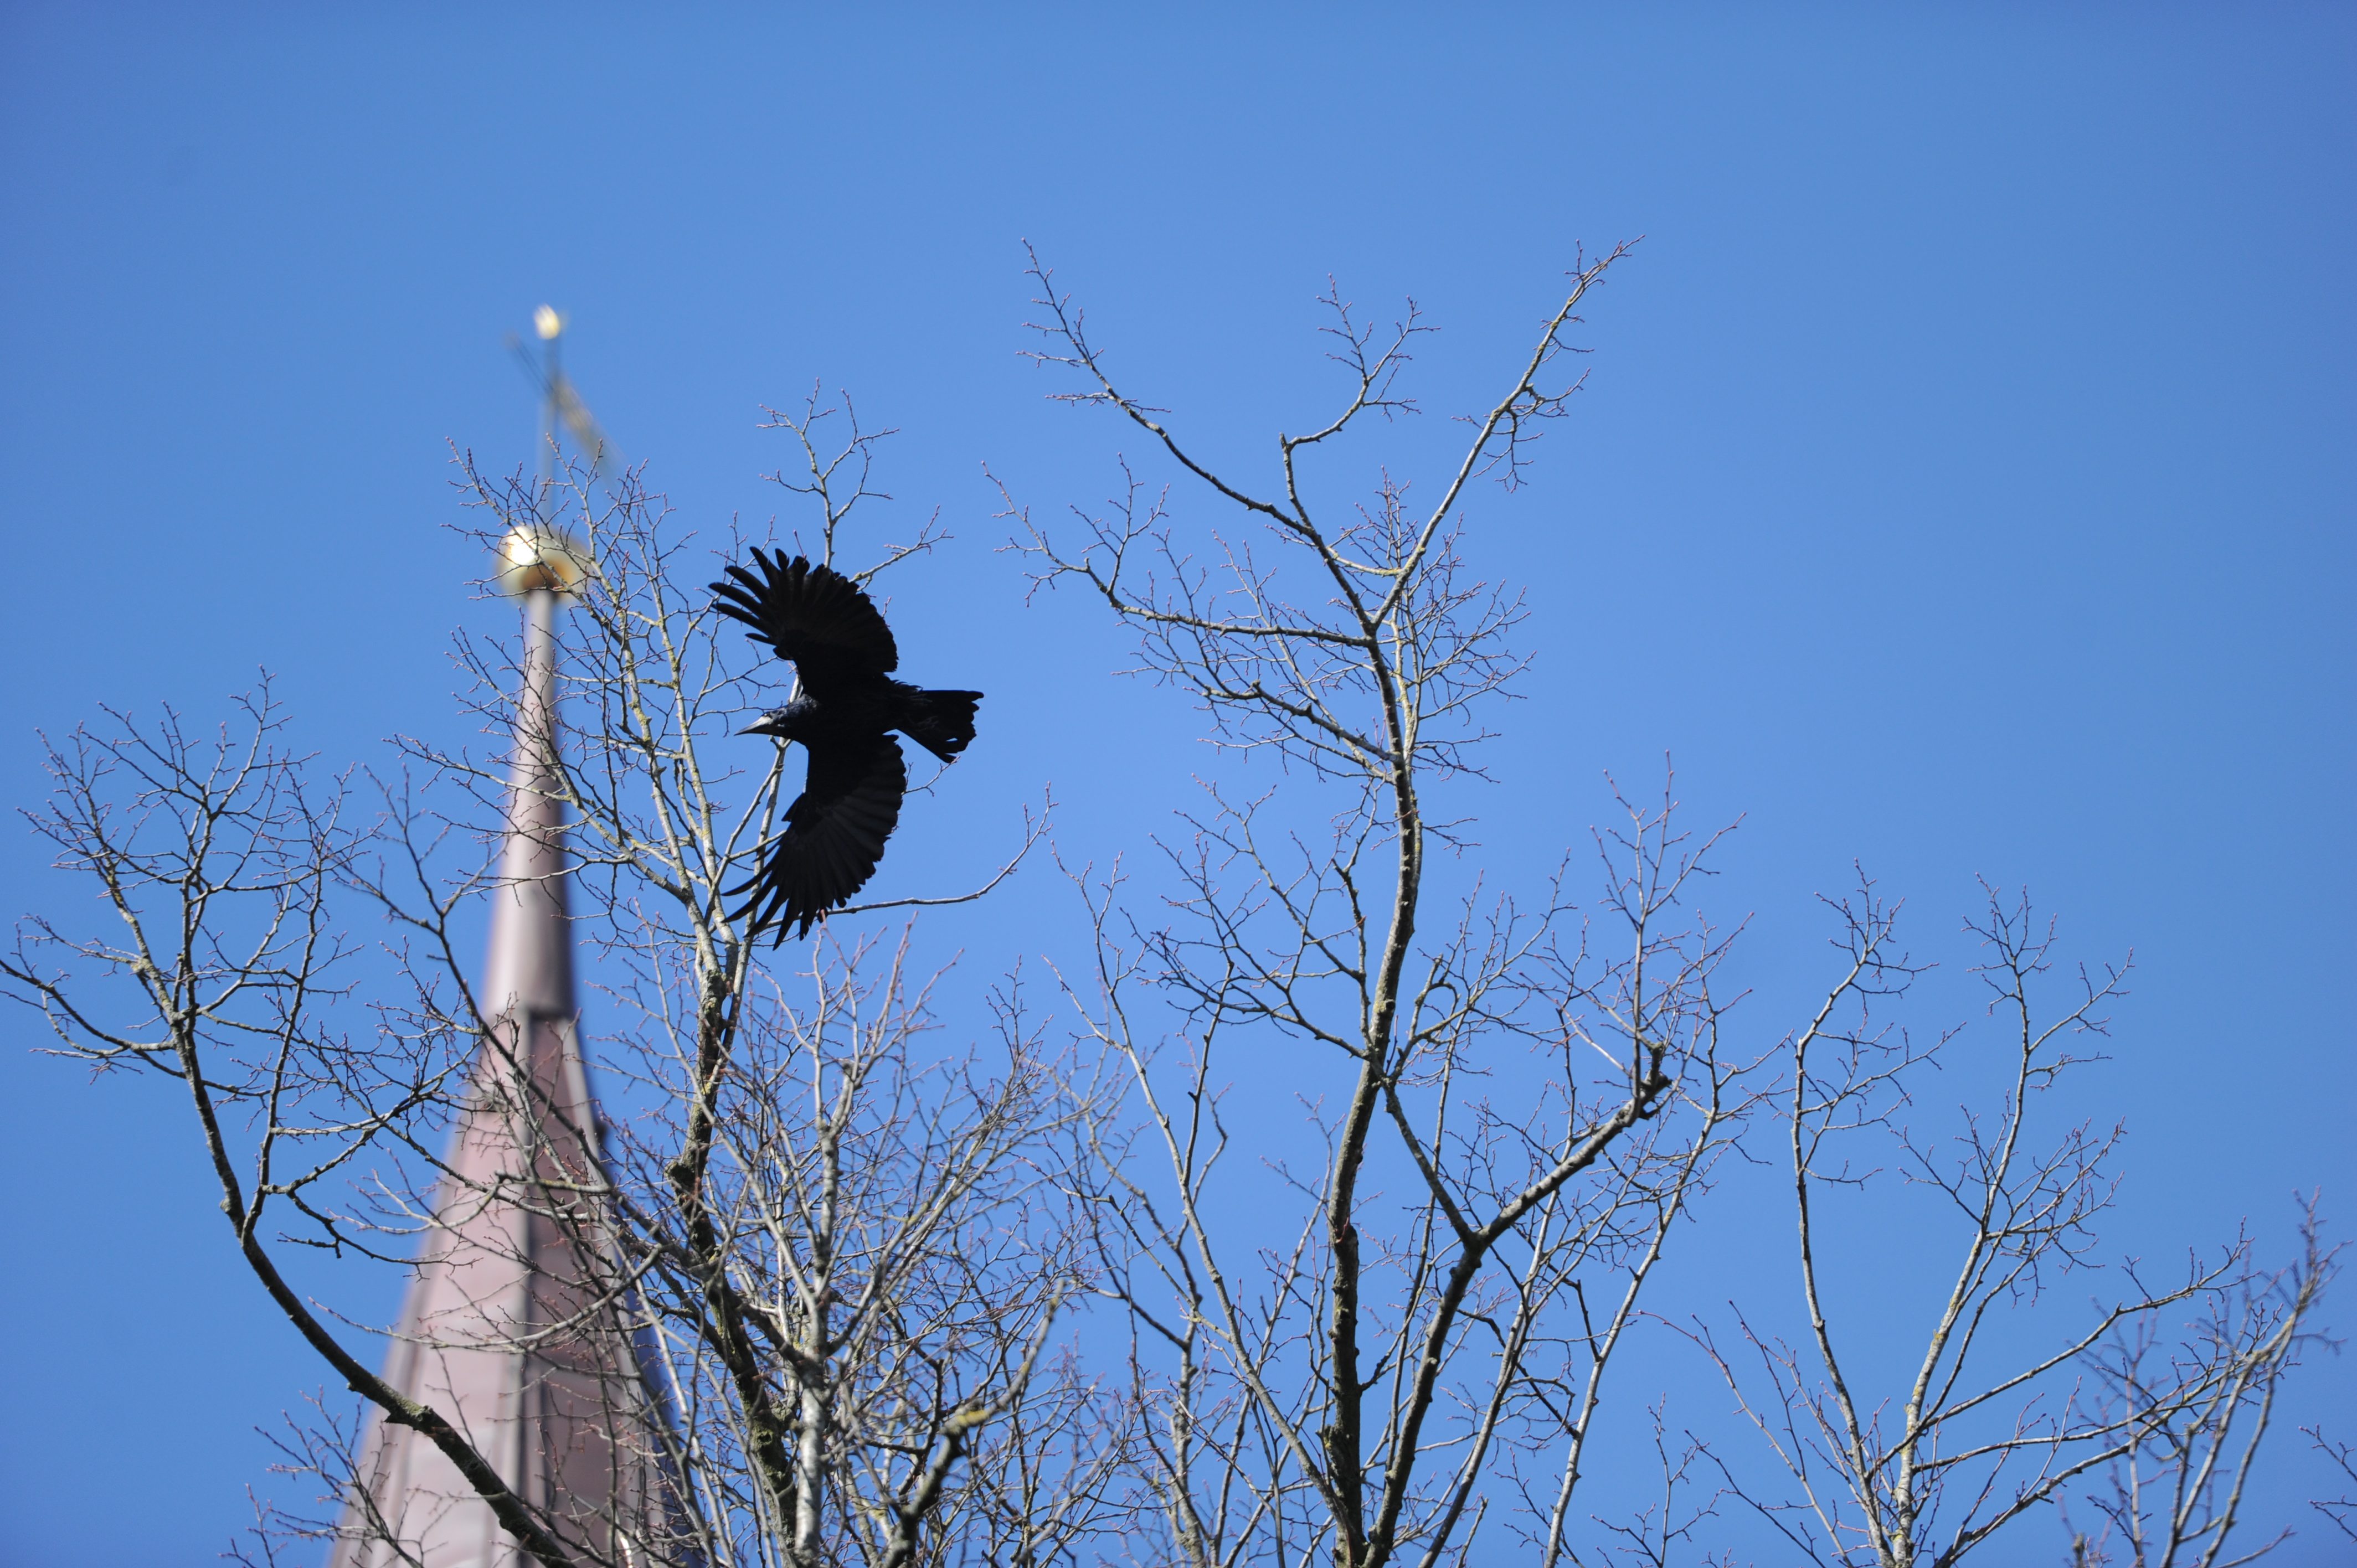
(870, 711)
(843, 716)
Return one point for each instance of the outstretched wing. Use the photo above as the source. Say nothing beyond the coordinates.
(835, 834)
(813, 614)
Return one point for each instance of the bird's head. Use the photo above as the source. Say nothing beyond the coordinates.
(776, 722)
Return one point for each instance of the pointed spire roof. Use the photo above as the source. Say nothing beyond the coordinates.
(529, 968)
(517, 1325)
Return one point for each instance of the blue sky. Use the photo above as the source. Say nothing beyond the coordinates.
(1963, 485)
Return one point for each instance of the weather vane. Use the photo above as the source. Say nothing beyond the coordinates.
(560, 404)
(540, 557)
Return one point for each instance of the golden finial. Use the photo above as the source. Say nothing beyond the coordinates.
(547, 323)
(538, 556)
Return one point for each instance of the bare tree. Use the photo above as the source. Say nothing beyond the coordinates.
(2202, 1405)
(1391, 1368)
(834, 1248)
(1668, 1530)
(829, 1249)
(220, 861)
(2341, 1512)
(2158, 1401)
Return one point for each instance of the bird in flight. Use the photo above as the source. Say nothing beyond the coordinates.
(844, 708)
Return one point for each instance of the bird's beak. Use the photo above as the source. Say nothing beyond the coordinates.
(762, 725)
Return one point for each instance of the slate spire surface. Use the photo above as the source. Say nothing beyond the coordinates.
(517, 1327)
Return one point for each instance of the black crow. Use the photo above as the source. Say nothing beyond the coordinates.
(843, 715)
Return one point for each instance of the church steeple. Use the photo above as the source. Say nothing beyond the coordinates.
(519, 1326)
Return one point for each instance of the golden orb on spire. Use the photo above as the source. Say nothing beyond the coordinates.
(537, 556)
(546, 322)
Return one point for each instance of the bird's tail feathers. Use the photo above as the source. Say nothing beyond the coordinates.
(940, 722)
